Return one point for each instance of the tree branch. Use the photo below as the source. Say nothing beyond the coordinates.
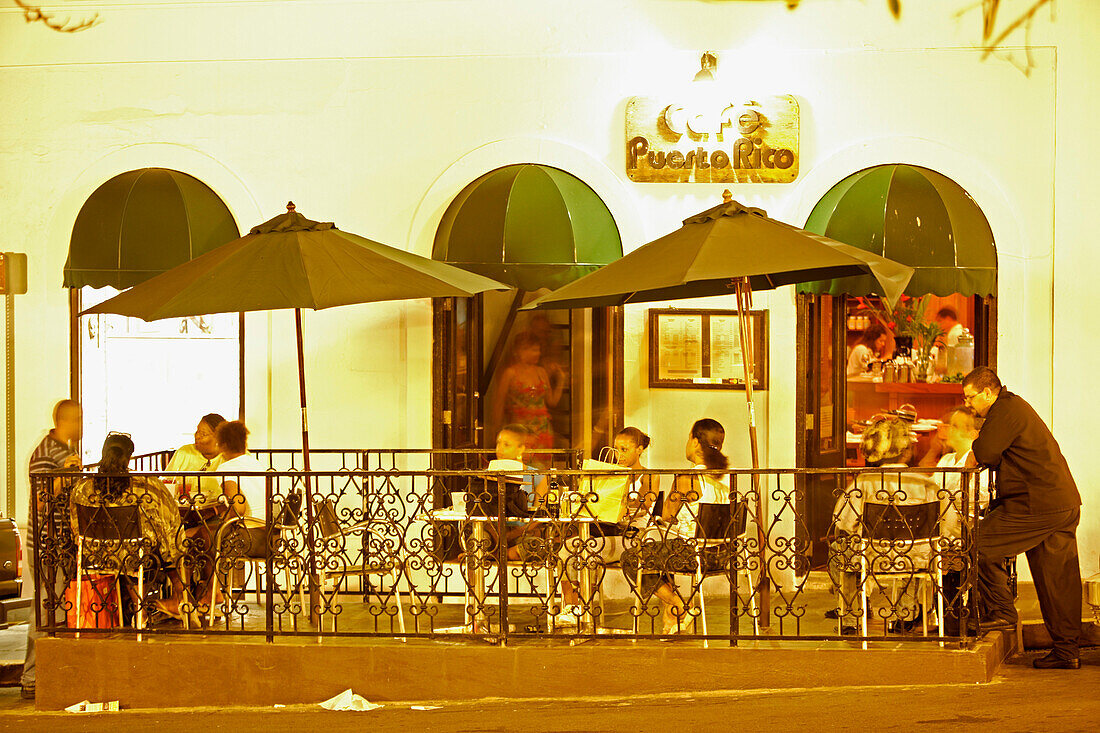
(35, 14)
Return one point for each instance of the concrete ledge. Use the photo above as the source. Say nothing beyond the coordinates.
(188, 673)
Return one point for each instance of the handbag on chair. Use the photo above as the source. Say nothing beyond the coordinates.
(99, 603)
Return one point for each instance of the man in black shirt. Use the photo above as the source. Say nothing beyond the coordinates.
(1036, 512)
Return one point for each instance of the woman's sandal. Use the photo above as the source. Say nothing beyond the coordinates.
(160, 606)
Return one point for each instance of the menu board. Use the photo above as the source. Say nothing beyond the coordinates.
(701, 349)
(680, 347)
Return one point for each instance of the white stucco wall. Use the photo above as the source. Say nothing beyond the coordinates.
(373, 114)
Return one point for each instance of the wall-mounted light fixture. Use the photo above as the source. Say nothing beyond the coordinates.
(708, 66)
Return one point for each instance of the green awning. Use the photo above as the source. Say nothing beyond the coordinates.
(142, 223)
(530, 226)
(914, 216)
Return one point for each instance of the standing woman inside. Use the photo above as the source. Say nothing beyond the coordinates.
(673, 550)
(526, 391)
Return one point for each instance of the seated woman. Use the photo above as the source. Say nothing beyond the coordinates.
(886, 443)
(242, 496)
(245, 495)
(158, 512)
(202, 455)
(961, 429)
(670, 549)
(630, 445)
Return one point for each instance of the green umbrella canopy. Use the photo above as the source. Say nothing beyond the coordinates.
(142, 223)
(911, 215)
(292, 262)
(721, 244)
(531, 226)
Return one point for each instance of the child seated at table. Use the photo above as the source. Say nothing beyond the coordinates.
(511, 446)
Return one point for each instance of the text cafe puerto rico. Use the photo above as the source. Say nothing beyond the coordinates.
(726, 142)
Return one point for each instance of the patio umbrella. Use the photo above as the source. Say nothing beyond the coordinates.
(727, 248)
(292, 262)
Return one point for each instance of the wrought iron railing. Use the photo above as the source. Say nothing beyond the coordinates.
(417, 553)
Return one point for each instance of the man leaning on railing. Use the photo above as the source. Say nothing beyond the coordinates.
(1036, 512)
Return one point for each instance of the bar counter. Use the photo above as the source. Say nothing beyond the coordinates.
(866, 398)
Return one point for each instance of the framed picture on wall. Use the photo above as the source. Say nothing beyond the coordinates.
(701, 349)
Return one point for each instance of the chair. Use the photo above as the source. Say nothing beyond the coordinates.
(892, 531)
(717, 527)
(334, 534)
(720, 526)
(112, 534)
(256, 551)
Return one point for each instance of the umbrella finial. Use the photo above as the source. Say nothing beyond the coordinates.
(290, 207)
(727, 196)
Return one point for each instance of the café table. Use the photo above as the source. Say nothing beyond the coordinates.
(478, 622)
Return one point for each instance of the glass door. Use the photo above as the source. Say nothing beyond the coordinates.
(821, 424)
(557, 373)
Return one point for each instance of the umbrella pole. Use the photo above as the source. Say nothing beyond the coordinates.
(763, 587)
(314, 592)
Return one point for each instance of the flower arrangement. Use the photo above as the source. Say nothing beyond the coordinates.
(907, 319)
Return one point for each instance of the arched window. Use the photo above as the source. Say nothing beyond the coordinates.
(153, 380)
(537, 228)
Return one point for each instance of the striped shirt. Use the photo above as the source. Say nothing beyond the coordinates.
(50, 456)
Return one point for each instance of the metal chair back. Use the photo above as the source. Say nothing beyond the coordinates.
(721, 521)
(108, 523)
(900, 522)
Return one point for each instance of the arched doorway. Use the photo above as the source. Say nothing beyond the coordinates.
(921, 218)
(153, 380)
(535, 227)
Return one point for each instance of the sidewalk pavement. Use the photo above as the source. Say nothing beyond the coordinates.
(1019, 698)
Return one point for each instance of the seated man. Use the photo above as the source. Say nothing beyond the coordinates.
(887, 444)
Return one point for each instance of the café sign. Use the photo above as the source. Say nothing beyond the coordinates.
(712, 142)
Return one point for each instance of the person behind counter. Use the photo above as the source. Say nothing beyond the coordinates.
(948, 320)
(870, 346)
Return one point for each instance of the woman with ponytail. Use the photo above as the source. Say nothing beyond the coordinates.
(671, 548)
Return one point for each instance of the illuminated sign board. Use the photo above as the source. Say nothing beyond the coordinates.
(712, 142)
